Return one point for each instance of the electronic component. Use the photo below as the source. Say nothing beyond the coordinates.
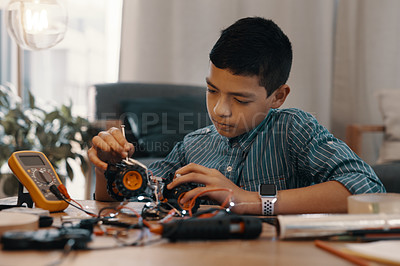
(173, 196)
(46, 239)
(37, 175)
(127, 179)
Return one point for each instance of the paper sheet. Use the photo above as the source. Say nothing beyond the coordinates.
(382, 251)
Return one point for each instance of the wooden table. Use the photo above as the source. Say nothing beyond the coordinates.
(266, 250)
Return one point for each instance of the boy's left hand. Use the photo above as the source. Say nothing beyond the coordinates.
(212, 179)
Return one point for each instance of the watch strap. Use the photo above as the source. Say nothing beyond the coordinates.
(267, 205)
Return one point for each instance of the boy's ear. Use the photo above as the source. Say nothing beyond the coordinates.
(279, 96)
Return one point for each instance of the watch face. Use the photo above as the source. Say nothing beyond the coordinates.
(267, 190)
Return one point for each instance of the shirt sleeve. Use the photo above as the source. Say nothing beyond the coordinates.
(174, 160)
(319, 157)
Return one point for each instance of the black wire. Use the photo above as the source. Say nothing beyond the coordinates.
(138, 241)
(79, 208)
(3, 207)
(68, 246)
(66, 251)
(54, 189)
(121, 224)
(210, 210)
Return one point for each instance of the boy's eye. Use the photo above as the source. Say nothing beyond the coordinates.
(242, 102)
(209, 90)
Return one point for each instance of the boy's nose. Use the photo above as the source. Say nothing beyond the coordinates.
(222, 108)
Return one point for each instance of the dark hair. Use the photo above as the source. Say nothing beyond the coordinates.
(255, 46)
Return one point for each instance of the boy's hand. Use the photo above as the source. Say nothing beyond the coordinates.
(109, 146)
(212, 179)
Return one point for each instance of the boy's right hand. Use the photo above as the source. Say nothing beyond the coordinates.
(109, 146)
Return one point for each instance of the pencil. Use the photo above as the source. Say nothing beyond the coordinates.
(365, 238)
(348, 257)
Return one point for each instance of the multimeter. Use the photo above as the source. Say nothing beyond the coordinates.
(37, 175)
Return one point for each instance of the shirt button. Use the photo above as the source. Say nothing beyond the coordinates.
(229, 168)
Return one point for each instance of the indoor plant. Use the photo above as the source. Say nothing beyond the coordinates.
(61, 136)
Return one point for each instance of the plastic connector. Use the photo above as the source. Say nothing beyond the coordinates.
(64, 191)
(56, 192)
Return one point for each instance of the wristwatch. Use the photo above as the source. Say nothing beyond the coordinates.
(268, 198)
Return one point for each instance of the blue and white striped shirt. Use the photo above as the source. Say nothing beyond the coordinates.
(289, 148)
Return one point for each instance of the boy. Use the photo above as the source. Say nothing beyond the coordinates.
(251, 141)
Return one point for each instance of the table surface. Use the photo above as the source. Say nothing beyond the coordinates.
(266, 250)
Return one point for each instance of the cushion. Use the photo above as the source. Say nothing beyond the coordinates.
(389, 103)
(389, 174)
(155, 125)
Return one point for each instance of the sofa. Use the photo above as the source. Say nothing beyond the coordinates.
(387, 171)
(155, 116)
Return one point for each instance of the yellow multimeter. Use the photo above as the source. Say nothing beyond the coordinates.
(37, 175)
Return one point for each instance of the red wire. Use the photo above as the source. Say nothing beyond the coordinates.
(228, 198)
(146, 223)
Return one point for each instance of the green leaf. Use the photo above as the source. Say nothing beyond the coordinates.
(50, 117)
(66, 112)
(84, 163)
(31, 100)
(69, 170)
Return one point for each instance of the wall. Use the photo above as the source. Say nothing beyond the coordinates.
(169, 41)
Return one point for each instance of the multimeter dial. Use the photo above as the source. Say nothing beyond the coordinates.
(44, 178)
(43, 175)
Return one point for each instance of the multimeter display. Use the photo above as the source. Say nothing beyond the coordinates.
(31, 160)
(35, 172)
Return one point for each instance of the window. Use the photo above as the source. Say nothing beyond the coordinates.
(88, 54)
(7, 55)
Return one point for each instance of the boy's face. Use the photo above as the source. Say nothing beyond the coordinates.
(236, 104)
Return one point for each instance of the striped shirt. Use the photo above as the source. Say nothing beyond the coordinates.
(288, 148)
